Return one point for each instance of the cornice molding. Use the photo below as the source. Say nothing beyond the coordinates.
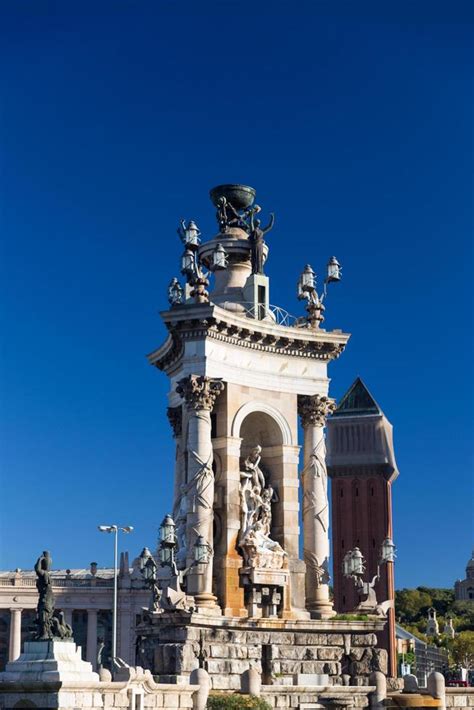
(191, 322)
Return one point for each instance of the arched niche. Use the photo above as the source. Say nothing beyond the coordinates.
(259, 424)
(271, 424)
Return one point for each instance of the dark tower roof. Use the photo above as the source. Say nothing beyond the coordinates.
(357, 402)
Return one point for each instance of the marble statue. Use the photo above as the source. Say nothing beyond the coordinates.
(258, 548)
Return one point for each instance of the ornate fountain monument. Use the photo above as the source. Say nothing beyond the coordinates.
(241, 371)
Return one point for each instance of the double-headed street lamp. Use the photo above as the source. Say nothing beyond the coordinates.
(354, 566)
(307, 290)
(115, 529)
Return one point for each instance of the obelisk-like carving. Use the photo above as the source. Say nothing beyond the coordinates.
(200, 394)
(313, 411)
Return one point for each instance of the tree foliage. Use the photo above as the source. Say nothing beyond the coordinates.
(462, 649)
(411, 610)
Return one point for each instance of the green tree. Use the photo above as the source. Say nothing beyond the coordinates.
(411, 603)
(462, 649)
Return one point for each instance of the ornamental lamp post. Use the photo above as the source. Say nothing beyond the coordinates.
(188, 264)
(387, 551)
(307, 289)
(191, 235)
(306, 282)
(168, 544)
(115, 529)
(202, 551)
(334, 272)
(219, 259)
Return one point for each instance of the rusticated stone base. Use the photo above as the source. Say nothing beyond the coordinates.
(174, 644)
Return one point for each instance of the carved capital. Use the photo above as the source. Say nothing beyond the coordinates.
(199, 392)
(313, 409)
(175, 416)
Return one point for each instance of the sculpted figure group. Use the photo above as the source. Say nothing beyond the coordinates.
(258, 548)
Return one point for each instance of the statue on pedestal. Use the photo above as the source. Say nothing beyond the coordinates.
(257, 241)
(50, 624)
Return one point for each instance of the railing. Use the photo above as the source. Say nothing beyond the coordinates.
(57, 582)
(258, 311)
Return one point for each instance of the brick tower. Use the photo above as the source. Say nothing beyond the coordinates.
(362, 466)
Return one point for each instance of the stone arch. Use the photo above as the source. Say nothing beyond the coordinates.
(266, 409)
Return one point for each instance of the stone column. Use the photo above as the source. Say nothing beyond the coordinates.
(91, 649)
(175, 417)
(199, 394)
(15, 634)
(313, 411)
(68, 616)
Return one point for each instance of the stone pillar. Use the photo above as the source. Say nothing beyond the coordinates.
(313, 411)
(68, 616)
(199, 394)
(175, 417)
(91, 649)
(15, 634)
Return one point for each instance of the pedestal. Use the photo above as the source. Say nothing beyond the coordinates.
(49, 661)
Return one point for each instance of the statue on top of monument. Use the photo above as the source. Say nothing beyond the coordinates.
(257, 241)
(227, 216)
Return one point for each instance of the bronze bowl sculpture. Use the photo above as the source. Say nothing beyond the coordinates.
(239, 196)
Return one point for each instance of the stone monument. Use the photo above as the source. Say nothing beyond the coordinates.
(241, 372)
(51, 655)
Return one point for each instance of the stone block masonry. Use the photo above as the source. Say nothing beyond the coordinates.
(278, 650)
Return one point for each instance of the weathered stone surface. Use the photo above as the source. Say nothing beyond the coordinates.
(330, 653)
(364, 640)
(226, 682)
(335, 640)
(311, 639)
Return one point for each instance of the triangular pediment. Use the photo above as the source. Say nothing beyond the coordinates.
(357, 402)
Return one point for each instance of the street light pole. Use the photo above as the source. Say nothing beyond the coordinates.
(115, 529)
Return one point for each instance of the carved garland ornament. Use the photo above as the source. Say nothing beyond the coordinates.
(313, 409)
(200, 392)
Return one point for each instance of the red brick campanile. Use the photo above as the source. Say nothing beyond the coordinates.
(362, 466)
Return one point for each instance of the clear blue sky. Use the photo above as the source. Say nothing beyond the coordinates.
(354, 122)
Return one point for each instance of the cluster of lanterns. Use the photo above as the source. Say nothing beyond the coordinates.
(190, 267)
(354, 564)
(169, 545)
(307, 288)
